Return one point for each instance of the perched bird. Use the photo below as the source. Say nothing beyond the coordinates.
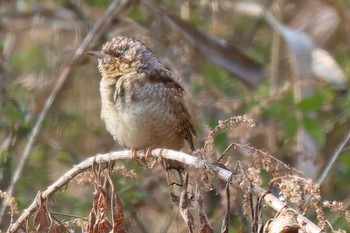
(143, 106)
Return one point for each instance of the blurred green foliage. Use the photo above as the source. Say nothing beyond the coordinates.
(97, 2)
(283, 110)
(32, 58)
(14, 116)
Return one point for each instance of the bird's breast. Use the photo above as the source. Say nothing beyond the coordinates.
(142, 117)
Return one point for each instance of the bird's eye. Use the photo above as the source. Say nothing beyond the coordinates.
(118, 53)
(105, 61)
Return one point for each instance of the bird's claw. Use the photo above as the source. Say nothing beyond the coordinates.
(149, 158)
(145, 159)
(134, 157)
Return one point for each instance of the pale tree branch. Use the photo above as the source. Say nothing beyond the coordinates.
(195, 162)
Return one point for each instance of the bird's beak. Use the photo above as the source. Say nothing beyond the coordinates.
(97, 54)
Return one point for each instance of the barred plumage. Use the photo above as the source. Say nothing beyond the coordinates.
(143, 106)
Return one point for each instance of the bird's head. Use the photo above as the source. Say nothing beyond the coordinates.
(123, 55)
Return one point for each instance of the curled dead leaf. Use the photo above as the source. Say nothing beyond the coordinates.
(285, 222)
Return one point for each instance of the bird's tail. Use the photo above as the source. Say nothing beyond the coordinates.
(175, 176)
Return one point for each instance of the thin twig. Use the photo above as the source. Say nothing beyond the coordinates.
(333, 159)
(327, 169)
(227, 149)
(195, 162)
(94, 33)
(60, 222)
(254, 151)
(68, 215)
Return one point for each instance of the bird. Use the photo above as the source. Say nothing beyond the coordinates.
(142, 104)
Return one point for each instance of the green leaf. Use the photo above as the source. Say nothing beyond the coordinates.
(284, 113)
(315, 129)
(290, 125)
(312, 103)
(221, 141)
(263, 89)
(276, 110)
(13, 114)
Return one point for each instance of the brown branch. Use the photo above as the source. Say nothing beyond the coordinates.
(195, 162)
(94, 33)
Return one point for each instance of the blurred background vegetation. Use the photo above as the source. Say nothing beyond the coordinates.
(301, 107)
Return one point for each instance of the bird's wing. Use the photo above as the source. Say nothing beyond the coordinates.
(178, 101)
(175, 94)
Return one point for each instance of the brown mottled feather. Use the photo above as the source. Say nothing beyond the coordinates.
(142, 104)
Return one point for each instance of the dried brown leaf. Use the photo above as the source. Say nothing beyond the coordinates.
(184, 206)
(98, 221)
(226, 221)
(105, 199)
(116, 207)
(53, 228)
(41, 220)
(204, 224)
(285, 222)
(103, 226)
(257, 225)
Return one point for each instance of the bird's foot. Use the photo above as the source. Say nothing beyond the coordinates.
(145, 160)
(149, 158)
(134, 156)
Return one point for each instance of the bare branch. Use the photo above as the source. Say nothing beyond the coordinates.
(195, 162)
